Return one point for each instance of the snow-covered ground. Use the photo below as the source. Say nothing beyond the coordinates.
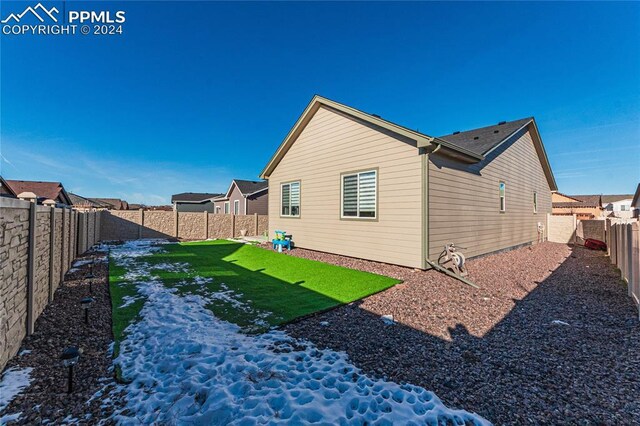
(12, 382)
(185, 366)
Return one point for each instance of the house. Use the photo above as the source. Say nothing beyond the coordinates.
(244, 197)
(583, 206)
(347, 182)
(43, 190)
(618, 205)
(194, 202)
(83, 204)
(112, 203)
(5, 190)
(635, 203)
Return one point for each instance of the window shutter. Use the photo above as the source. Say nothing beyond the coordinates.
(350, 195)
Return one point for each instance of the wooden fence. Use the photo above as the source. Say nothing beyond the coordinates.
(623, 246)
(37, 247)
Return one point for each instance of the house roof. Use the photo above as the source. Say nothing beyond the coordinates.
(484, 139)
(193, 197)
(580, 201)
(636, 198)
(248, 187)
(459, 147)
(79, 200)
(43, 190)
(113, 203)
(4, 184)
(606, 199)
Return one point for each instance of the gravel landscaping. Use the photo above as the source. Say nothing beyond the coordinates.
(550, 337)
(45, 399)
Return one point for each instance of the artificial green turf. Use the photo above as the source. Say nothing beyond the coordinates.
(283, 287)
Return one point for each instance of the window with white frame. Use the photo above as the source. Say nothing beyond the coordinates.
(290, 200)
(535, 202)
(359, 195)
(226, 207)
(217, 209)
(503, 198)
(236, 207)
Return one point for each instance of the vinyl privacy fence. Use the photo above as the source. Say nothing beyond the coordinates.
(623, 246)
(37, 247)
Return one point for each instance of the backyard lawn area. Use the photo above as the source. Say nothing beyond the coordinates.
(250, 286)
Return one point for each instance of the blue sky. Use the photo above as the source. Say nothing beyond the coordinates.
(194, 94)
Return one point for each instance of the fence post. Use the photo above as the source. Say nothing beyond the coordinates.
(206, 225)
(175, 223)
(255, 216)
(141, 224)
(62, 245)
(52, 244)
(233, 225)
(31, 264)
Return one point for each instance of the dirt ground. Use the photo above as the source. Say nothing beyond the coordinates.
(551, 337)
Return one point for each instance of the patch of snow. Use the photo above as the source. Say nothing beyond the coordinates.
(558, 322)
(72, 270)
(82, 262)
(129, 300)
(388, 319)
(24, 352)
(324, 323)
(7, 418)
(13, 381)
(187, 366)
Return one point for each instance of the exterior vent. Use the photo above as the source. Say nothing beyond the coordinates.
(476, 138)
(501, 123)
(496, 131)
(456, 132)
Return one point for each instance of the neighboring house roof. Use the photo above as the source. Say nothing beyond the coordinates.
(456, 146)
(112, 203)
(606, 199)
(247, 187)
(484, 139)
(560, 194)
(79, 200)
(43, 190)
(636, 198)
(193, 197)
(4, 186)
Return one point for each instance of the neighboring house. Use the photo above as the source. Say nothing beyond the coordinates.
(583, 206)
(635, 203)
(347, 182)
(83, 204)
(112, 203)
(43, 190)
(5, 190)
(618, 205)
(244, 197)
(194, 202)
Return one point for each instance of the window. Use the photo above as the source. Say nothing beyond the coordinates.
(290, 202)
(503, 202)
(609, 207)
(535, 202)
(359, 195)
(625, 207)
(236, 207)
(218, 209)
(226, 207)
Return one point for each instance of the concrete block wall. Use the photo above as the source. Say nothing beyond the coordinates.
(131, 225)
(37, 246)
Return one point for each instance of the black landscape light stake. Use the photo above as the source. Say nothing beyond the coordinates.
(86, 304)
(70, 358)
(90, 277)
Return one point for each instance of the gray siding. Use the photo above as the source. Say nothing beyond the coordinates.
(464, 199)
(192, 207)
(258, 203)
